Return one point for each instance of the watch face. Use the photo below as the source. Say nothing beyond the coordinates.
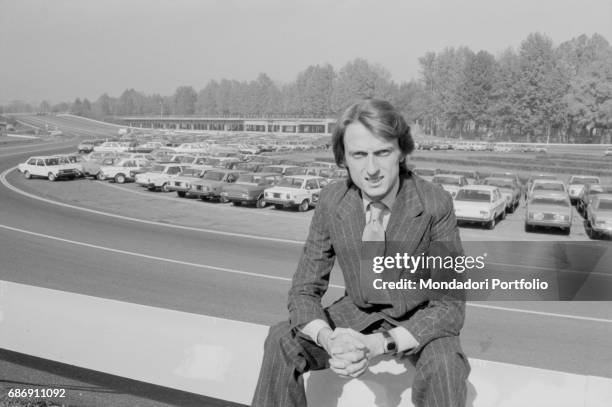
(391, 346)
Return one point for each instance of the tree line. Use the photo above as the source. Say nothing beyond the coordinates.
(538, 92)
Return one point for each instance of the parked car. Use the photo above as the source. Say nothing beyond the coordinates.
(535, 177)
(296, 191)
(472, 177)
(90, 167)
(87, 146)
(547, 185)
(112, 146)
(598, 222)
(50, 167)
(550, 209)
(279, 169)
(480, 204)
(249, 188)
(608, 152)
(426, 173)
(159, 176)
(509, 189)
(339, 174)
(576, 185)
(182, 183)
(450, 182)
(588, 193)
(123, 170)
(210, 185)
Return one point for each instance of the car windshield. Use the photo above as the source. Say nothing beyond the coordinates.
(499, 183)
(543, 177)
(214, 176)
(473, 195)
(425, 171)
(272, 168)
(549, 201)
(605, 206)
(548, 187)
(290, 182)
(446, 180)
(212, 161)
(52, 161)
(339, 174)
(247, 178)
(295, 171)
(584, 181)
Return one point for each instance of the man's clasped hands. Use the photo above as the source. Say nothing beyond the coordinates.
(350, 351)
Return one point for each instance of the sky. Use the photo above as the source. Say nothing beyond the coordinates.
(58, 50)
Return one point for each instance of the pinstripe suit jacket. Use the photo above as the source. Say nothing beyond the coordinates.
(422, 213)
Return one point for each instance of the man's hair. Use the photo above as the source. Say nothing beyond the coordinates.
(379, 117)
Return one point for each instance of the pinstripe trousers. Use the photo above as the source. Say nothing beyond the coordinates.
(440, 380)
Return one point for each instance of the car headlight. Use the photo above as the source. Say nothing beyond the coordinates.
(288, 196)
(205, 188)
(600, 222)
(559, 217)
(536, 216)
(484, 213)
(245, 195)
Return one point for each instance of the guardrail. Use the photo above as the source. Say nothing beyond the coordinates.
(221, 358)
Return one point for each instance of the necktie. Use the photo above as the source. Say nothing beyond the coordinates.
(374, 230)
(373, 239)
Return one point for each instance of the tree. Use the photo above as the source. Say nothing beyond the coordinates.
(314, 89)
(476, 89)
(44, 107)
(77, 107)
(185, 99)
(359, 79)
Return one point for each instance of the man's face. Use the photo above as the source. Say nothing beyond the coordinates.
(373, 161)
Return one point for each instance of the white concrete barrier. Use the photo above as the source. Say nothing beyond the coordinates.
(221, 358)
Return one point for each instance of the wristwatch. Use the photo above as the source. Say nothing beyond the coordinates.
(389, 344)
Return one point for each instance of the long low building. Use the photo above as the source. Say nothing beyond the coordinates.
(238, 124)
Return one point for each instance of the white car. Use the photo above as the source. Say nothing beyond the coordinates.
(481, 204)
(301, 190)
(547, 185)
(450, 182)
(576, 185)
(50, 167)
(159, 176)
(122, 171)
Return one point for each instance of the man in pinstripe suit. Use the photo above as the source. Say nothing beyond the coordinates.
(382, 201)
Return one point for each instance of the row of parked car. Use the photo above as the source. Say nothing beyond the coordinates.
(548, 200)
(228, 178)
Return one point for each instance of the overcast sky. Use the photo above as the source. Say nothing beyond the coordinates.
(60, 49)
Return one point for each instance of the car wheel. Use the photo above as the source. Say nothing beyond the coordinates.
(502, 216)
(100, 176)
(51, 176)
(567, 231)
(27, 175)
(119, 178)
(260, 203)
(491, 224)
(164, 187)
(278, 206)
(203, 197)
(152, 189)
(236, 203)
(223, 199)
(181, 193)
(528, 228)
(304, 206)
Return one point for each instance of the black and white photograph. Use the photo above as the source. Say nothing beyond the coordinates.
(305, 203)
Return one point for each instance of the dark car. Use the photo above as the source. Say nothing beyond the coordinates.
(249, 188)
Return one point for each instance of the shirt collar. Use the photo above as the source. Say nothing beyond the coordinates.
(388, 200)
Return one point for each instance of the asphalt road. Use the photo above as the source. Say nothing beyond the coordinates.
(247, 279)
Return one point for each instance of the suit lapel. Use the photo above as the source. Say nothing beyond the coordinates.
(405, 224)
